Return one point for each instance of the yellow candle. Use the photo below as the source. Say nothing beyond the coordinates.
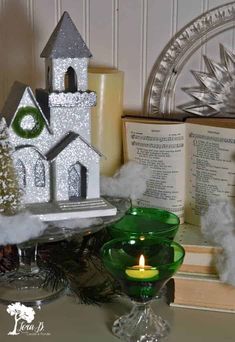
(142, 271)
(106, 132)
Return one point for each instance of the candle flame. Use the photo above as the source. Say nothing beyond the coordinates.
(142, 261)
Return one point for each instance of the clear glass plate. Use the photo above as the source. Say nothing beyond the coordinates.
(66, 229)
(164, 95)
(26, 284)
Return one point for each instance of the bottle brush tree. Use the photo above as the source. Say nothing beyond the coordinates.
(9, 189)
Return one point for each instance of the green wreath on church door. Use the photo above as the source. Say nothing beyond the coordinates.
(36, 126)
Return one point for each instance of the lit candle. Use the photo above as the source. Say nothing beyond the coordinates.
(142, 271)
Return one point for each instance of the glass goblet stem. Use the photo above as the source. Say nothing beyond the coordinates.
(27, 259)
(141, 324)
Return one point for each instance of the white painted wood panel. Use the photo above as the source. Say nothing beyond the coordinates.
(128, 34)
(17, 43)
(44, 19)
(77, 11)
(129, 51)
(101, 32)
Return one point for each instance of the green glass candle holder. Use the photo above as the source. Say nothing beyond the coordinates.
(142, 221)
(142, 265)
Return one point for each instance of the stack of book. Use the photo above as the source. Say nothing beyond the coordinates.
(197, 284)
(190, 163)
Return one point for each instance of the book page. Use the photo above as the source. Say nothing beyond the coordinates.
(160, 147)
(210, 156)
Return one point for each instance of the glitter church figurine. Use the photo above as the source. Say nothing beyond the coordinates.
(57, 167)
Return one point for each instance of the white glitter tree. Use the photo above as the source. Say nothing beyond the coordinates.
(9, 190)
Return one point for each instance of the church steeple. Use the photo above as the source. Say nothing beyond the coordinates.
(66, 58)
(66, 99)
(65, 41)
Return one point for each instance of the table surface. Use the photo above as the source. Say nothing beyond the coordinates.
(67, 320)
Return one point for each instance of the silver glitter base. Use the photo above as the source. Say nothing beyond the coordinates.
(82, 99)
(65, 210)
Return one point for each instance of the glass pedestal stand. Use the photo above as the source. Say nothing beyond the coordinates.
(26, 283)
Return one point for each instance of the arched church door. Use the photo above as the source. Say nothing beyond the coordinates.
(76, 182)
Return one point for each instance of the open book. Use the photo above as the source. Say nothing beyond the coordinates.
(191, 162)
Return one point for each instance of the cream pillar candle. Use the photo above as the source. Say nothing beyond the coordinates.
(106, 133)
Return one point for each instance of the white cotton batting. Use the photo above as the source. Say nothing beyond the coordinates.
(19, 228)
(128, 182)
(218, 226)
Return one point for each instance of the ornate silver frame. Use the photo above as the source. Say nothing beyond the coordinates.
(159, 94)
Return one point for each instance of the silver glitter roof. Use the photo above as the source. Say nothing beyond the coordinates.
(62, 144)
(13, 100)
(65, 41)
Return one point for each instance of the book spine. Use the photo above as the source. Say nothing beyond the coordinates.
(199, 262)
(203, 291)
(184, 306)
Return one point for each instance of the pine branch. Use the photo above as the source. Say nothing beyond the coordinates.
(77, 264)
(98, 294)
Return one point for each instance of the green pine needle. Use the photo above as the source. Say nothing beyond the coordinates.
(77, 264)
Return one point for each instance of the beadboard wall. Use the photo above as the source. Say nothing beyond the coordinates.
(127, 34)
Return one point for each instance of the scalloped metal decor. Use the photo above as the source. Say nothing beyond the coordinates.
(216, 90)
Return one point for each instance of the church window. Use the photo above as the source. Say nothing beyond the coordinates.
(70, 80)
(39, 174)
(49, 78)
(21, 172)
